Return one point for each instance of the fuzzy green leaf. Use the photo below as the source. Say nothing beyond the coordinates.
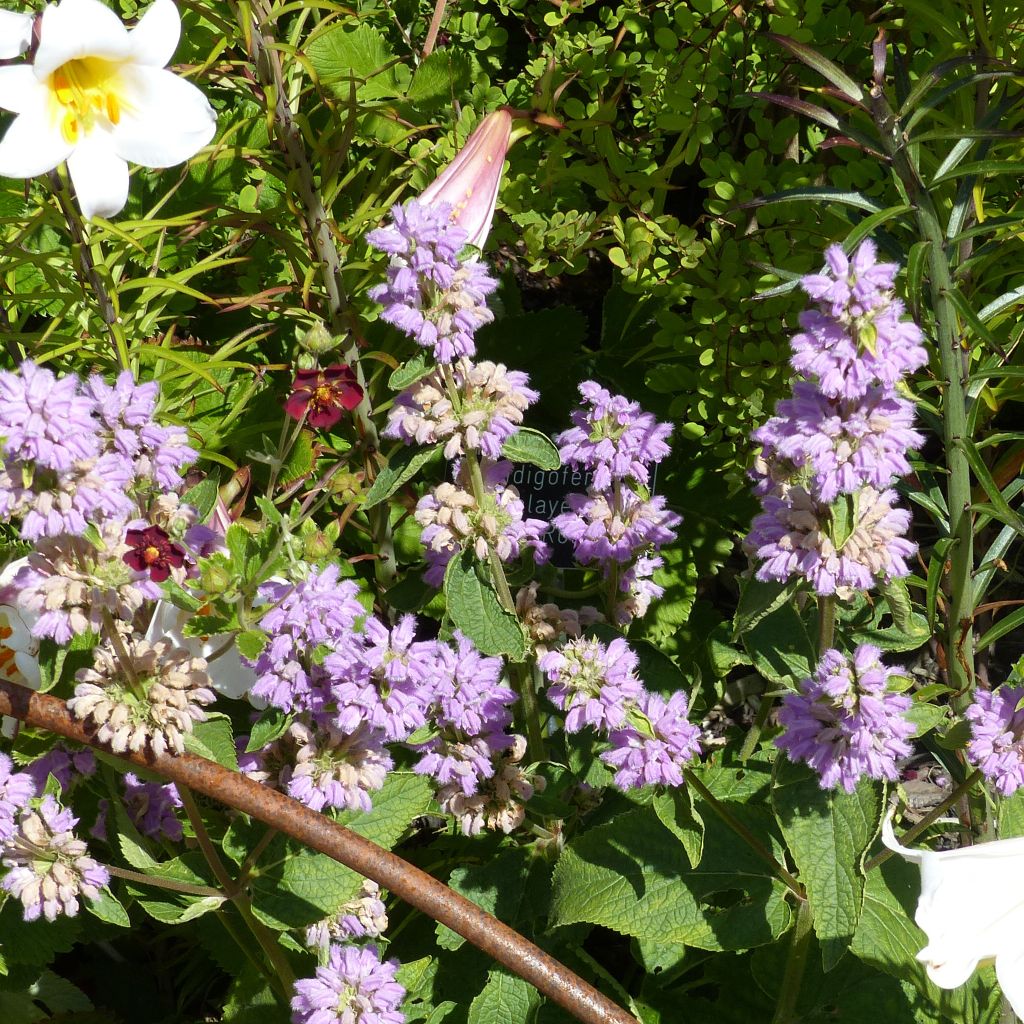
(401, 467)
(475, 609)
(527, 445)
(505, 999)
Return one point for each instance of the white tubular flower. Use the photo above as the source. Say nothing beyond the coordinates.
(97, 96)
(15, 34)
(19, 649)
(970, 911)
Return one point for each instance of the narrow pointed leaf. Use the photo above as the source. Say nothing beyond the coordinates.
(832, 72)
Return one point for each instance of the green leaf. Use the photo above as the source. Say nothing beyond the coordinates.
(439, 79)
(339, 55)
(401, 467)
(475, 609)
(897, 597)
(296, 886)
(675, 811)
(271, 725)
(781, 647)
(815, 194)
(527, 445)
(981, 169)
(410, 371)
(1001, 507)
(214, 739)
(827, 833)
(829, 71)
(250, 643)
(299, 461)
(180, 907)
(107, 907)
(505, 999)
(203, 497)
(1007, 624)
(759, 599)
(633, 875)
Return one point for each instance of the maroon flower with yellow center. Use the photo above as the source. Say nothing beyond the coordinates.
(322, 394)
(154, 552)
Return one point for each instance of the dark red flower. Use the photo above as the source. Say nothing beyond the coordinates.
(153, 552)
(322, 394)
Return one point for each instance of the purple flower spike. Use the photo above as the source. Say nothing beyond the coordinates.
(845, 723)
(996, 745)
(354, 987)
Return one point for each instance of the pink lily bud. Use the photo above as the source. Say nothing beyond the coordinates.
(470, 182)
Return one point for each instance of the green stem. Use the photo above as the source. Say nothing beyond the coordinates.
(796, 963)
(283, 974)
(929, 819)
(87, 267)
(476, 478)
(522, 681)
(745, 834)
(164, 883)
(753, 737)
(959, 626)
(826, 623)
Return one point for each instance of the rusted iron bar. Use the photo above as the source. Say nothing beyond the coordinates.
(416, 887)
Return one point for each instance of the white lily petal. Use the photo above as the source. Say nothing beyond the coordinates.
(1010, 974)
(15, 34)
(167, 121)
(889, 839)
(79, 28)
(18, 642)
(20, 90)
(33, 144)
(946, 973)
(156, 36)
(99, 175)
(227, 673)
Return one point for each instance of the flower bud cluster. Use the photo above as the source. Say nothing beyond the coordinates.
(597, 686)
(831, 452)
(845, 722)
(617, 526)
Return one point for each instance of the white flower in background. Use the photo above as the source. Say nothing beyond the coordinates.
(97, 96)
(972, 910)
(227, 673)
(15, 34)
(19, 649)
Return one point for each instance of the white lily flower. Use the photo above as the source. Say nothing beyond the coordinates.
(15, 34)
(97, 96)
(971, 911)
(228, 674)
(19, 649)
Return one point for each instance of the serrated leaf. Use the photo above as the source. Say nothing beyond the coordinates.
(271, 725)
(340, 55)
(203, 497)
(439, 79)
(108, 908)
(828, 832)
(270, 511)
(527, 445)
(412, 370)
(180, 597)
(180, 908)
(505, 999)
(214, 739)
(296, 886)
(632, 875)
(781, 647)
(299, 462)
(250, 643)
(759, 599)
(675, 811)
(475, 609)
(401, 468)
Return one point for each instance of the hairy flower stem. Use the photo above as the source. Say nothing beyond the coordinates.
(929, 819)
(266, 58)
(283, 976)
(796, 964)
(826, 622)
(522, 681)
(87, 271)
(959, 625)
(164, 883)
(745, 834)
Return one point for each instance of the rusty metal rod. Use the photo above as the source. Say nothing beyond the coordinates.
(416, 887)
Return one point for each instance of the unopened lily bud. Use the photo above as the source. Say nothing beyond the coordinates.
(469, 184)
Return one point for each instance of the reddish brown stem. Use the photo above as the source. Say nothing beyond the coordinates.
(416, 887)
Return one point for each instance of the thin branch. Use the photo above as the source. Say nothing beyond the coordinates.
(435, 27)
(318, 832)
